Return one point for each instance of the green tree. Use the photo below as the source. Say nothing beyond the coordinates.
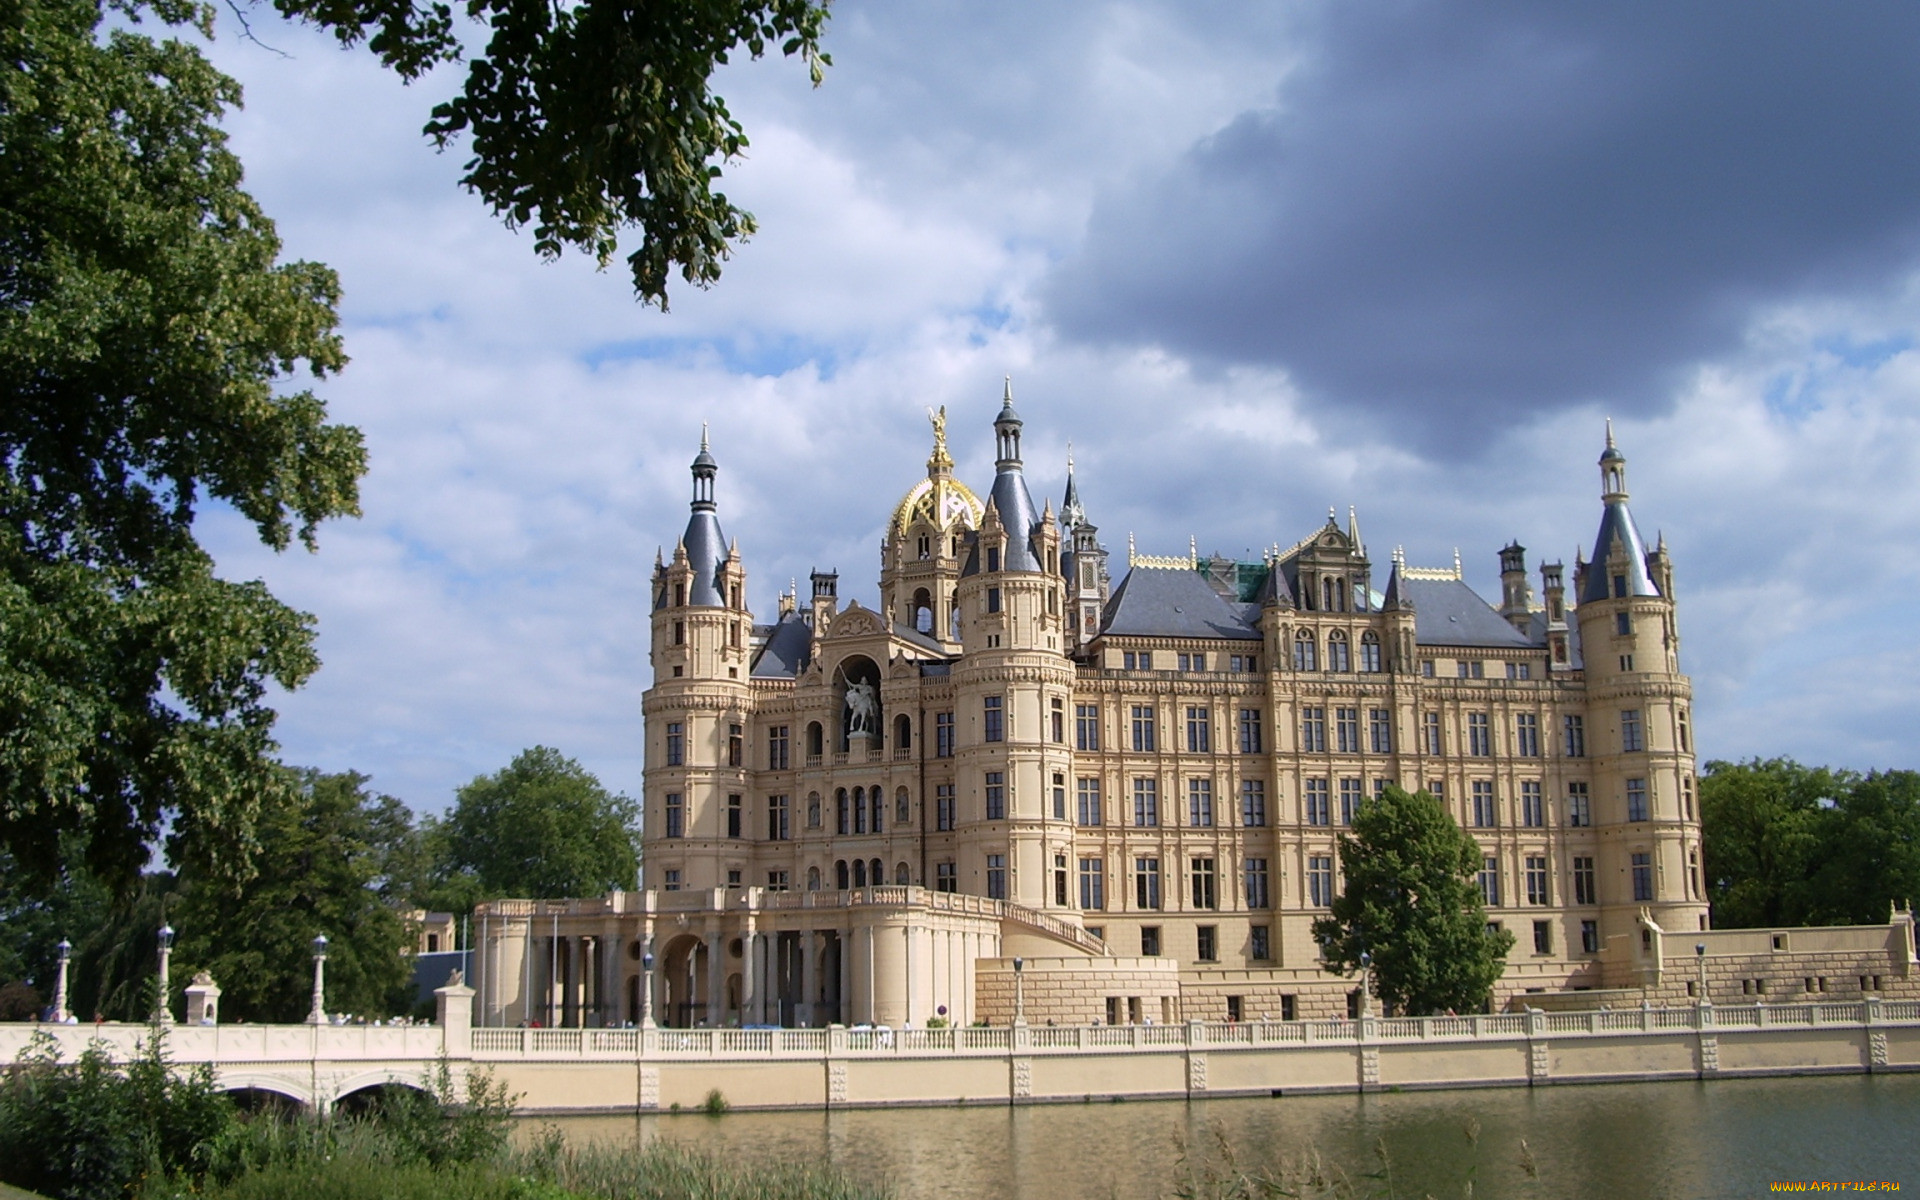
(1411, 902)
(544, 828)
(1761, 833)
(1868, 850)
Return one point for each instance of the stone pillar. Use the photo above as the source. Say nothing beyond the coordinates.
(716, 978)
(749, 974)
(809, 978)
(589, 978)
(203, 1000)
(453, 1012)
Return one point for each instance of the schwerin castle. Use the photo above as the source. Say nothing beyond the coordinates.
(1023, 789)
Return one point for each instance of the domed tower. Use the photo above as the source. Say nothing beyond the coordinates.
(698, 709)
(1637, 729)
(926, 539)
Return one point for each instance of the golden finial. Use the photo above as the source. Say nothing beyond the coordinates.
(939, 460)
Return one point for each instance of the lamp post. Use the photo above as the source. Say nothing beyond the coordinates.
(319, 1014)
(1366, 978)
(60, 1013)
(1019, 992)
(646, 990)
(1700, 957)
(161, 1016)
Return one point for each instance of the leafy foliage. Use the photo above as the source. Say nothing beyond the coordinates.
(544, 826)
(1411, 901)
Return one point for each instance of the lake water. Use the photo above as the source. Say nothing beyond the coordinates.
(1725, 1138)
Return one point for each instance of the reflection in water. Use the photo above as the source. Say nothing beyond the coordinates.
(1728, 1138)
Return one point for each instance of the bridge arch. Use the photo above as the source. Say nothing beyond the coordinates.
(236, 1083)
(364, 1090)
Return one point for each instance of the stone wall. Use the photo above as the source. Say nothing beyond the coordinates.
(1079, 991)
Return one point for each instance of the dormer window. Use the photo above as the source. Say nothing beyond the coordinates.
(679, 595)
(1619, 586)
(926, 547)
(993, 558)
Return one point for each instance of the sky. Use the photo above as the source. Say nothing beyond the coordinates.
(1252, 260)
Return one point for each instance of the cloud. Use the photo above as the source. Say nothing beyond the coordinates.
(1459, 216)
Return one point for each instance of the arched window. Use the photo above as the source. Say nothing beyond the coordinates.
(859, 810)
(859, 873)
(953, 617)
(902, 809)
(879, 874)
(840, 874)
(923, 610)
(1337, 657)
(816, 740)
(1370, 651)
(840, 802)
(1305, 657)
(813, 810)
(901, 875)
(903, 732)
(813, 879)
(878, 799)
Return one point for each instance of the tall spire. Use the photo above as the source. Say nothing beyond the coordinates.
(705, 544)
(1353, 530)
(1072, 514)
(1619, 566)
(1010, 494)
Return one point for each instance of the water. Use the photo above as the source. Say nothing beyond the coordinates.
(1725, 1138)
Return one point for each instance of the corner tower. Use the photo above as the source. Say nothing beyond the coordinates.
(921, 557)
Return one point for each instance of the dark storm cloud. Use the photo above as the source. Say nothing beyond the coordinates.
(1463, 214)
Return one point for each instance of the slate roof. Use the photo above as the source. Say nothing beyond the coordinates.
(1015, 502)
(1156, 602)
(706, 554)
(787, 651)
(1617, 523)
(1446, 612)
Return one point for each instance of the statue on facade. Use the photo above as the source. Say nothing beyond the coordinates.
(863, 710)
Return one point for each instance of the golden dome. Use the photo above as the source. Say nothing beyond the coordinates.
(940, 501)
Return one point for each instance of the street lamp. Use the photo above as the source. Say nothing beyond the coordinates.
(319, 1014)
(1019, 992)
(160, 1014)
(1700, 957)
(1366, 977)
(646, 990)
(60, 1013)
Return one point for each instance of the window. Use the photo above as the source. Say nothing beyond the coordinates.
(943, 735)
(993, 558)
(777, 881)
(1543, 937)
(945, 878)
(1200, 803)
(1479, 735)
(1631, 739)
(1248, 663)
(1686, 738)
(1316, 802)
(1574, 731)
(1533, 810)
(1058, 723)
(1320, 880)
(842, 823)
(1087, 802)
(1337, 658)
(1370, 652)
(1253, 802)
(813, 810)
(676, 816)
(902, 807)
(877, 800)
(676, 744)
(1059, 799)
(1583, 891)
(1623, 624)
(1462, 669)
(1236, 1008)
(1260, 944)
(1086, 727)
(1093, 884)
(1426, 668)
(1313, 730)
(993, 719)
(1490, 881)
(1207, 939)
(1060, 880)
(1146, 803)
(1143, 728)
(1149, 945)
(943, 807)
(1199, 730)
(679, 633)
(1205, 892)
(1526, 735)
(1579, 809)
(1143, 660)
(1619, 586)
(996, 877)
(1642, 876)
(1146, 883)
(1305, 654)
(996, 796)
(1249, 731)
(736, 747)
(672, 883)
(1346, 726)
(1193, 662)
(1350, 797)
(1380, 730)
(993, 596)
(1257, 895)
(1636, 799)
(777, 748)
(734, 814)
(1537, 880)
(1483, 813)
(778, 816)
(859, 810)
(1590, 937)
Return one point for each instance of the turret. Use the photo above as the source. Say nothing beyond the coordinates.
(1516, 596)
(1084, 563)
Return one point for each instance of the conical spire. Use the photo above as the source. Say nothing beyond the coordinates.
(1072, 515)
(1353, 530)
(704, 544)
(1619, 565)
(1010, 496)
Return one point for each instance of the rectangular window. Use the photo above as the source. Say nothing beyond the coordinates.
(1205, 886)
(1146, 883)
(996, 796)
(1060, 880)
(1623, 624)
(777, 744)
(1058, 716)
(1579, 806)
(1200, 803)
(993, 597)
(1537, 880)
(736, 747)
(1426, 668)
(993, 727)
(1430, 734)
(779, 828)
(1479, 735)
(1093, 884)
(1059, 797)
(996, 877)
(676, 816)
(672, 881)
(943, 735)
(1350, 796)
(1574, 733)
(1490, 881)
(1590, 937)
(1143, 728)
(1257, 894)
(1249, 731)
(676, 744)
(877, 799)
(1087, 802)
(1631, 739)
(1320, 880)
(1260, 944)
(1313, 731)
(993, 558)
(1146, 803)
(1149, 948)
(1483, 813)
(1543, 937)
(1380, 730)
(943, 815)
(1193, 662)
(1636, 799)
(1318, 810)
(1686, 738)
(734, 814)
(1643, 877)
(945, 877)
(1583, 890)
(1253, 803)
(1526, 735)
(1462, 669)
(1207, 945)
(1248, 663)
(1346, 726)
(1199, 731)
(1533, 810)
(1086, 727)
